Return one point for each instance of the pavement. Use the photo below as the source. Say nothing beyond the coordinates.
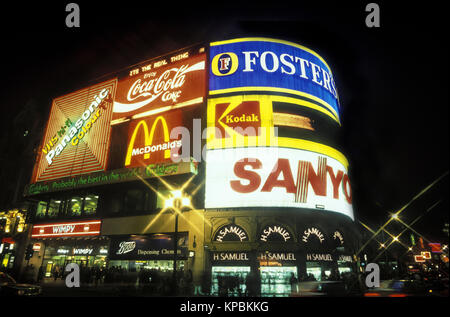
(58, 288)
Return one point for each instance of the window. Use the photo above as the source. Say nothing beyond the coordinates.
(114, 204)
(53, 208)
(75, 206)
(90, 204)
(41, 209)
(134, 200)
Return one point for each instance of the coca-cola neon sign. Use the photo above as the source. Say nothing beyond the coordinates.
(179, 82)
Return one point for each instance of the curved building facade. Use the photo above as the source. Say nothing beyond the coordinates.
(278, 196)
(230, 148)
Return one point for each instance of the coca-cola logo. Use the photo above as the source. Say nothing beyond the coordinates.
(125, 247)
(151, 87)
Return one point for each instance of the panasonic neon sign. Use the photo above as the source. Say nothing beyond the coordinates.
(81, 127)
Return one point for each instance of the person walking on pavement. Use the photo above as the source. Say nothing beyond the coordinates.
(40, 274)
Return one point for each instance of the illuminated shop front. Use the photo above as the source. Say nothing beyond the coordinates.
(7, 253)
(90, 252)
(57, 244)
(277, 269)
(134, 253)
(230, 269)
(276, 252)
(327, 255)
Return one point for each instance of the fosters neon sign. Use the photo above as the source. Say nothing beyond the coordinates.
(263, 64)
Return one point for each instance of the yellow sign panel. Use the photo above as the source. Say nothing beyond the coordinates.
(239, 121)
(249, 120)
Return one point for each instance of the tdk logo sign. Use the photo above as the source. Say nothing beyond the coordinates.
(224, 64)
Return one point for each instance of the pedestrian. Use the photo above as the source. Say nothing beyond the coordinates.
(56, 273)
(40, 274)
(294, 283)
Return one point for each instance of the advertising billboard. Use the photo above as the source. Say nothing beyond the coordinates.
(276, 177)
(147, 247)
(77, 136)
(67, 229)
(149, 139)
(160, 85)
(268, 120)
(262, 64)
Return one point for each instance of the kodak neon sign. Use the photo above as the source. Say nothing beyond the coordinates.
(149, 136)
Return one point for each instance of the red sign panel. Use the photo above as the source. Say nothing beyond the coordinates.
(67, 229)
(149, 139)
(419, 258)
(435, 247)
(160, 85)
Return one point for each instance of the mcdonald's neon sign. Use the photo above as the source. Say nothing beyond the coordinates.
(154, 140)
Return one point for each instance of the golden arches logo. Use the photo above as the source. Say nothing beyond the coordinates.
(148, 137)
(224, 64)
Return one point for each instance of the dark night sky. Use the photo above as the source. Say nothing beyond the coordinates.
(392, 80)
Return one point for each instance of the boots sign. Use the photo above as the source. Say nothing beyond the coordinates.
(276, 177)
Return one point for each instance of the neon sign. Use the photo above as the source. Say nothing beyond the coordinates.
(154, 141)
(265, 64)
(269, 232)
(231, 233)
(276, 177)
(313, 231)
(338, 235)
(82, 228)
(77, 132)
(160, 86)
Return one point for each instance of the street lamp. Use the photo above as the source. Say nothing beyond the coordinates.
(176, 201)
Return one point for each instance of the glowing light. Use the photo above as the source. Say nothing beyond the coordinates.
(177, 193)
(186, 201)
(168, 203)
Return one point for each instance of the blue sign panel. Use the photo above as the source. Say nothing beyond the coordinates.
(259, 64)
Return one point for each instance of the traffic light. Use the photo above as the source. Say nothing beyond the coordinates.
(29, 252)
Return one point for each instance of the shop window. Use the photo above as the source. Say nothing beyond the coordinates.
(90, 204)
(113, 204)
(53, 208)
(75, 206)
(41, 209)
(134, 200)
